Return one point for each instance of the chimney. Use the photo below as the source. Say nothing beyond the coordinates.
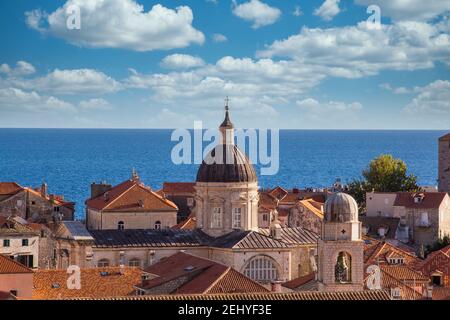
(44, 190)
(275, 286)
(99, 188)
(106, 196)
(295, 190)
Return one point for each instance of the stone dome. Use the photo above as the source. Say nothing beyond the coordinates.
(341, 207)
(234, 167)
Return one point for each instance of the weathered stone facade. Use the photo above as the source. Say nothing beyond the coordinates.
(444, 164)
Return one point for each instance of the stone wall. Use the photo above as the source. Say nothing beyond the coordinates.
(444, 166)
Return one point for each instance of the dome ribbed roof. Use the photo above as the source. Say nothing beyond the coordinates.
(237, 169)
(341, 207)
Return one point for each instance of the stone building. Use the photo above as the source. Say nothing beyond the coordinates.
(34, 205)
(15, 279)
(129, 205)
(444, 164)
(182, 194)
(424, 216)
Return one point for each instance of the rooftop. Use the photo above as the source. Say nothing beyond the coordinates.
(8, 266)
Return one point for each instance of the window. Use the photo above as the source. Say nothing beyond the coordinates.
(103, 263)
(262, 269)
(134, 262)
(237, 218)
(24, 242)
(424, 219)
(436, 280)
(158, 225)
(6, 243)
(217, 218)
(343, 268)
(121, 225)
(26, 260)
(56, 209)
(265, 217)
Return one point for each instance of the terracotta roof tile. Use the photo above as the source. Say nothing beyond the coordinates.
(313, 206)
(8, 265)
(178, 187)
(200, 276)
(297, 282)
(377, 252)
(189, 224)
(441, 293)
(445, 137)
(95, 283)
(431, 200)
(269, 296)
(9, 188)
(133, 196)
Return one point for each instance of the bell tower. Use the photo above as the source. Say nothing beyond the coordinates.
(341, 249)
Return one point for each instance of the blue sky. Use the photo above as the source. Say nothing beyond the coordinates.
(284, 64)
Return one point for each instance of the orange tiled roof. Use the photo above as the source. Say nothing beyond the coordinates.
(404, 273)
(313, 206)
(431, 200)
(9, 188)
(189, 224)
(8, 265)
(202, 276)
(378, 252)
(131, 195)
(269, 296)
(297, 282)
(178, 187)
(441, 293)
(52, 284)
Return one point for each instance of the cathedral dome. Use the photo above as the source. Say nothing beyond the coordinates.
(231, 165)
(341, 207)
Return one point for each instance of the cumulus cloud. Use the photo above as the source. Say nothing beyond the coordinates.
(181, 61)
(120, 24)
(95, 104)
(433, 99)
(356, 51)
(71, 82)
(14, 99)
(22, 68)
(328, 10)
(218, 37)
(257, 12)
(413, 10)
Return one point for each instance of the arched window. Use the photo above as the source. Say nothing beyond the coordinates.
(158, 225)
(135, 262)
(103, 263)
(262, 269)
(343, 268)
(121, 225)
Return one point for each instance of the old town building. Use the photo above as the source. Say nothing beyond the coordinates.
(424, 216)
(35, 205)
(129, 205)
(16, 280)
(444, 164)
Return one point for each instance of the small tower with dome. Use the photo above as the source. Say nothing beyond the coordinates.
(341, 248)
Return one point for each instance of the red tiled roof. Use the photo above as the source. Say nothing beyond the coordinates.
(445, 137)
(178, 187)
(441, 293)
(204, 276)
(404, 273)
(8, 265)
(278, 192)
(377, 252)
(431, 200)
(189, 224)
(52, 284)
(297, 282)
(131, 195)
(9, 188)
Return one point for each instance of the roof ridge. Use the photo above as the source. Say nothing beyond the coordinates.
(217, 280)
(163, 200)
(120, 195)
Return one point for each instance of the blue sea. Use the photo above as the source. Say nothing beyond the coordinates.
(69, 160)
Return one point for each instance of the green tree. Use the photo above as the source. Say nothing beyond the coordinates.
(384, 174)
(439, 244)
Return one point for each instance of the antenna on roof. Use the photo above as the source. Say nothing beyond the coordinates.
(134, 175)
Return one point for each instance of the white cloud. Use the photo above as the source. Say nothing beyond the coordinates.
(413, 10)
(257, 12)
(432, 100)
(315, 107)
(297, 11)
(22, 68)
(71, 82)
(396, 90)
(328, 10)
(218, 37)
(14, 99)
(356, 51)
(95, 104)
(121, 24)
(181, 61)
